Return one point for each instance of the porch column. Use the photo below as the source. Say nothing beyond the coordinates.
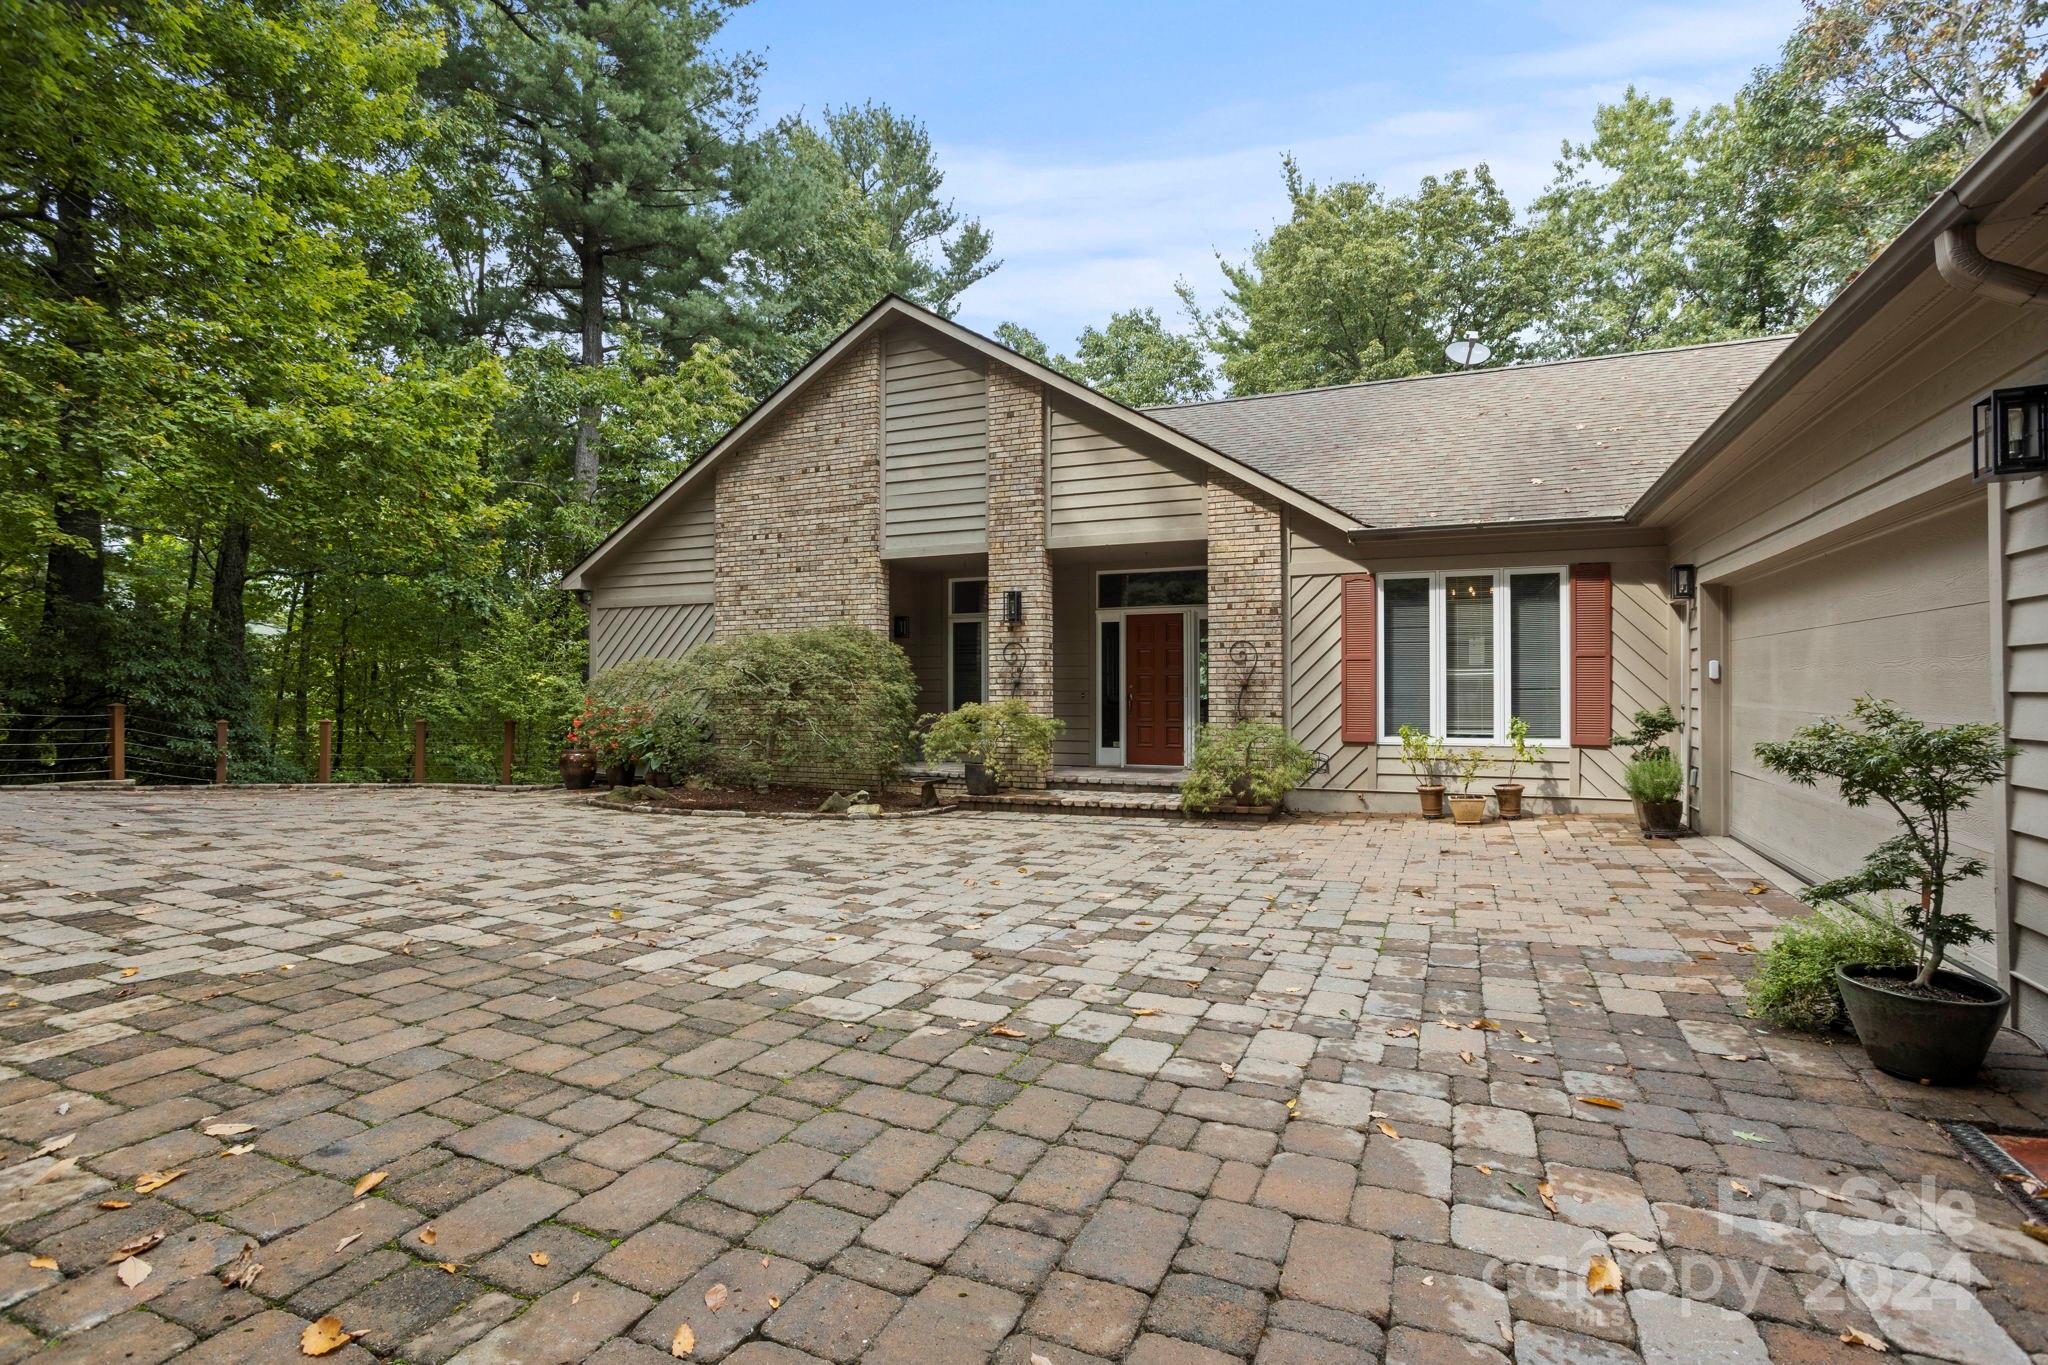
(1019, 654)
(1247, 635)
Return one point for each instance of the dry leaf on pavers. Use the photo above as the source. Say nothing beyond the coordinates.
(685, 1341)
(55, 1144)
(1484, 1169)
(1037, 1359)
(1853, 1337)
(133, 1271)
(135, 1247)
(240, 1149)
(1628, 1241)
(1525, 1057)
(1484, 1025)
(774, 1302)
(228, 1129)
(1600, 1102)
(369, 1182)
(1467, 1058)
(323, 1336)
(1548, 1195)
(1756, 889)
(1524, 1035)
(56, 1170)
(1750, 1137)
(241, 1272)
(1404, 1032)
(1741, 1189)
(449, 1266)
(1603, 1276)
(342, 1245)
(1141, 1011)
(715, 1296)
(1388, 1129)
(42, 1263)
(152, 1181)
(537, 1257)
(428, 1236)
(1005, 1031)
(130, 971)
(114, 1203)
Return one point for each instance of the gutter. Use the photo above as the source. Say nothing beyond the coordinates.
(1960, 263)
(1613, 523)
(2012, 159)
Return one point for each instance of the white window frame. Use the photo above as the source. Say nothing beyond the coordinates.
(1112, 755)
(980, 618)
(1503, 653)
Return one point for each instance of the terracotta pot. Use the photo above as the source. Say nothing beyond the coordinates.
(1432, 802)
(1468, 809)
(1509, 795)
(576, 768)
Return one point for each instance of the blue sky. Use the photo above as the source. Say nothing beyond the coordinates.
(1114, 147)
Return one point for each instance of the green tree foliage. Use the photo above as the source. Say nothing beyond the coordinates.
(1133, 359)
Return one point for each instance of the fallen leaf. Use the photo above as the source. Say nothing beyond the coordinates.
(342, 1245)
(1548, 1195)
(133, 1271)
(1756, 889)
(1628, 1241)
(1750, 1137)
(1005, 1031)
(114, 1203)
(1143, 1010)
(1466, 1057)
(1037, 1359)
(1525, 1057)
(55, 1144)
(428, 1236)
(1855, 1338)
(56, 1170)
(324, 1336)
(1740, 1188)
(243, 1270)
(684, 1342)
(1388, 1129)
(135, 1246)
(1603, 1276)
(774, 1302)
(240, 1149)
(130, 971)
(152, 1181)
(1484, 1025)
(1404, 1032)
(448, 1266)
(537, 1257)
(1484, 1169)
(1524, 1035)
(1600, 1102)
(715, 1296)
(618, 914)
(370, 1182)
(42, 1262)
(228, 1129)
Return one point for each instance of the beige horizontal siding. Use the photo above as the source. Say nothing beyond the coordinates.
(1105, 491)
(934, 449)
(669, 561)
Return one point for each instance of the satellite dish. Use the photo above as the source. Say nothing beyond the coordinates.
(1468, 351)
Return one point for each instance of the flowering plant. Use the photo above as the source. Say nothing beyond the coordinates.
(611, 734)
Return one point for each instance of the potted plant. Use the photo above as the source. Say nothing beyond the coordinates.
(1521, 754)
(1918, 1021)
(577, 764)
(1251, 763)
(993, 741)
(1654, 780)
(1467, 808)
(1425, 756)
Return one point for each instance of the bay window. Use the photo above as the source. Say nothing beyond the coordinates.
(1463, 652)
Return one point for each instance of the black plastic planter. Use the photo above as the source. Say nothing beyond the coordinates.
(976, 775)
(1938, 1042)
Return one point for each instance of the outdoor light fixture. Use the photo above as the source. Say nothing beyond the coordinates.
(1684, 582)
(1013, 607)
(899, 627)
(2009, 434)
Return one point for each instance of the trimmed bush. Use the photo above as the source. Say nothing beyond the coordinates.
(1255, 759)
(1007, 737)
(1794, 982)
(1653, 776)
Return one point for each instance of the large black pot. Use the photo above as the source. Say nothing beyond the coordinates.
(1939, 1042)
(1660, 819)
(979, 782)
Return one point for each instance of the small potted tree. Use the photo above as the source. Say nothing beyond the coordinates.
(1426, 757)
(993, 742)
(1919, 1022)
(1653, 778)
(1250, 763)
(1521, 754)
(1467, 808)
(578, 765)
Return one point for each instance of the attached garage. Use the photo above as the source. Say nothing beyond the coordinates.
(1901, 613)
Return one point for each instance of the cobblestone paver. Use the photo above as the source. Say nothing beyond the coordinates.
(979, 1086)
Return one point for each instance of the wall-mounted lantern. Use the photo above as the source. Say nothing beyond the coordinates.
(899, 627)
(2009, 434)
(1685, 582)
(1013, 607)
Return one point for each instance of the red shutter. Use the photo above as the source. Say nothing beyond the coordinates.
(1592, 655)
(1360, 667)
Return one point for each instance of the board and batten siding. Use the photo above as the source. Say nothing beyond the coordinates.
(1373, 774)
(1105, 491)
(934, 449)
(2020, 559)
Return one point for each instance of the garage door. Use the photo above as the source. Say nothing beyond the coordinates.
(1903, 616)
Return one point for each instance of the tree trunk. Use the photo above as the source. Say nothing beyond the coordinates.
(227, 627)
(305, 651)
(592, 358)
(75, 583)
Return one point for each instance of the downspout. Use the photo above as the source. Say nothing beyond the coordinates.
(1966, 268)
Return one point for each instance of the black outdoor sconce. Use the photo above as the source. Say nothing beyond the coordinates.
(1013, 607)
(2009, 434)
(1684, 582)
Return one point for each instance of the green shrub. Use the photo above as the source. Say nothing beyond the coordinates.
(825, 703)
(1794, 981)
(1255, 759)
(1654, 776)
(1006, 737)
(1648, 735)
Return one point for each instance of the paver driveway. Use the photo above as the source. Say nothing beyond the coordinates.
(941, 1089)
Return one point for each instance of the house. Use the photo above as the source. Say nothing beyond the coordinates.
(1444, 551)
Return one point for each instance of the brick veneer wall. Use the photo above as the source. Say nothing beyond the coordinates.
(1017, 556)
(1246, 587)
(798, 511)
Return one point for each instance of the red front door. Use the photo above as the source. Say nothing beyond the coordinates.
(1155, 706)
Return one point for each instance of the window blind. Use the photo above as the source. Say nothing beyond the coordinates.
(1407, 652)
(1534, 621)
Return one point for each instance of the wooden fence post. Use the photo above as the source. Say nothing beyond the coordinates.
(117, 742)
(326, 769)
(220, 753)
(505, 762)
(419, 751)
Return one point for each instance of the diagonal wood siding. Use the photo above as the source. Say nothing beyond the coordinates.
(658, 632)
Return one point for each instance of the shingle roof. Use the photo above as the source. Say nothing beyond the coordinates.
(1557, 441)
